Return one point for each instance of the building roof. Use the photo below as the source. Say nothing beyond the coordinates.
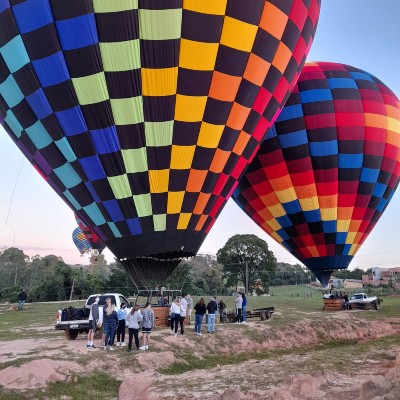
(354, 280)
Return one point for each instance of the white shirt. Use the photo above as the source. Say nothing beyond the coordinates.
(239, 302)
(175, 308)
(183, 307)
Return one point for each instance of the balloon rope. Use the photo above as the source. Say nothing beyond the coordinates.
(12, 197)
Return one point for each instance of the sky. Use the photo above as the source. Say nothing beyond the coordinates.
(361, 33)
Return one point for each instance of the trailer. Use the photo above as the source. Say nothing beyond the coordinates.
(262, 313)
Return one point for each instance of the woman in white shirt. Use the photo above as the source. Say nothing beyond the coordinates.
(175, 312)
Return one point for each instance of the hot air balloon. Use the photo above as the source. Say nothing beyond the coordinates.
(80, 241)
(140, 113)
(328, 167)
(94, 241)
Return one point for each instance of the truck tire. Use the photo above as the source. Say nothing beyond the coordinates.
(377, 305)
(71, 334)
(268, 314)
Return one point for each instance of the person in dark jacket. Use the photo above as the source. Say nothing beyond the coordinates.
(222, 308)
(21, 300)
(111, 322)
(93, 319)
(200, 310)
(212, 308)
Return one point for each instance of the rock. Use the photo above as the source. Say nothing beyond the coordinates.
(371, 390)
(136, 388)
(152, 360)
(233, 394)
(37, 374)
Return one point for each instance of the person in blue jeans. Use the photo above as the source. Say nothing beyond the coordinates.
(105, 318)
(112, 321)
(212, 308)
(21, 300)
(244, 305)
(200, 310)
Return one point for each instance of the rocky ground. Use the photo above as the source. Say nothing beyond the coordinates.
(344, 356)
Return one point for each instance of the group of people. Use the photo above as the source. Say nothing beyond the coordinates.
(241, 308)
(338, 295)
(201, 309)
(114, 323)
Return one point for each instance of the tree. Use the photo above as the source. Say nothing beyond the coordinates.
(240, 250)
(181, 278)
(356, 273)
(13, 261)
(119, 280)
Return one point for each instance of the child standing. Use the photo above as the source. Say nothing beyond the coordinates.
(147, 326)
(121, 326)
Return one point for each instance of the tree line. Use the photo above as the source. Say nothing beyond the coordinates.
(49, 278)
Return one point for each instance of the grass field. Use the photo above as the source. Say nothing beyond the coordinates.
(293, 304)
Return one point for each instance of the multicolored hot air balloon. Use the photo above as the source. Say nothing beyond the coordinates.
(80, 241)
(328, 167)
(94, 241)
(142, 114)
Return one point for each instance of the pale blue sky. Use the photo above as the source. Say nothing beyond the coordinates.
(361, 33)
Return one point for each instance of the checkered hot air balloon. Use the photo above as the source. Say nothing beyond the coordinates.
(142, 114)
(328, 167)
(80, 241)
(94, 241)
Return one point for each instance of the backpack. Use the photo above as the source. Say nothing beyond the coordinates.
(65, 315)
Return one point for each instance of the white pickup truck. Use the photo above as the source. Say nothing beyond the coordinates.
(362, 301)
(76, 320)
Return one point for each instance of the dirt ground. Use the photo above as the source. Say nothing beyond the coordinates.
(362, 361)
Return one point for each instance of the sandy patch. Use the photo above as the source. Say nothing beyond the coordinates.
(259, 379)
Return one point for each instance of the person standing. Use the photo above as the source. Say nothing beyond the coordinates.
(244, 306)
(221, 308)
(121, 326)
(189, 307)
(212, 308)
(93, 319)
(112, 321)
(175, 312)
(238, 305)
(133, 319)
(200, 310)
(21, 300)
(147, 325)
(183, 313)
(103, 336)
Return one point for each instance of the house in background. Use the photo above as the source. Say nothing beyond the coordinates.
(353, 284)
(382, 276)
(335, 283)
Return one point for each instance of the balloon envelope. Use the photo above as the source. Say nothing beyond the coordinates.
(80, 241)
(328, 167)
(94, 241)
(140, 113)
